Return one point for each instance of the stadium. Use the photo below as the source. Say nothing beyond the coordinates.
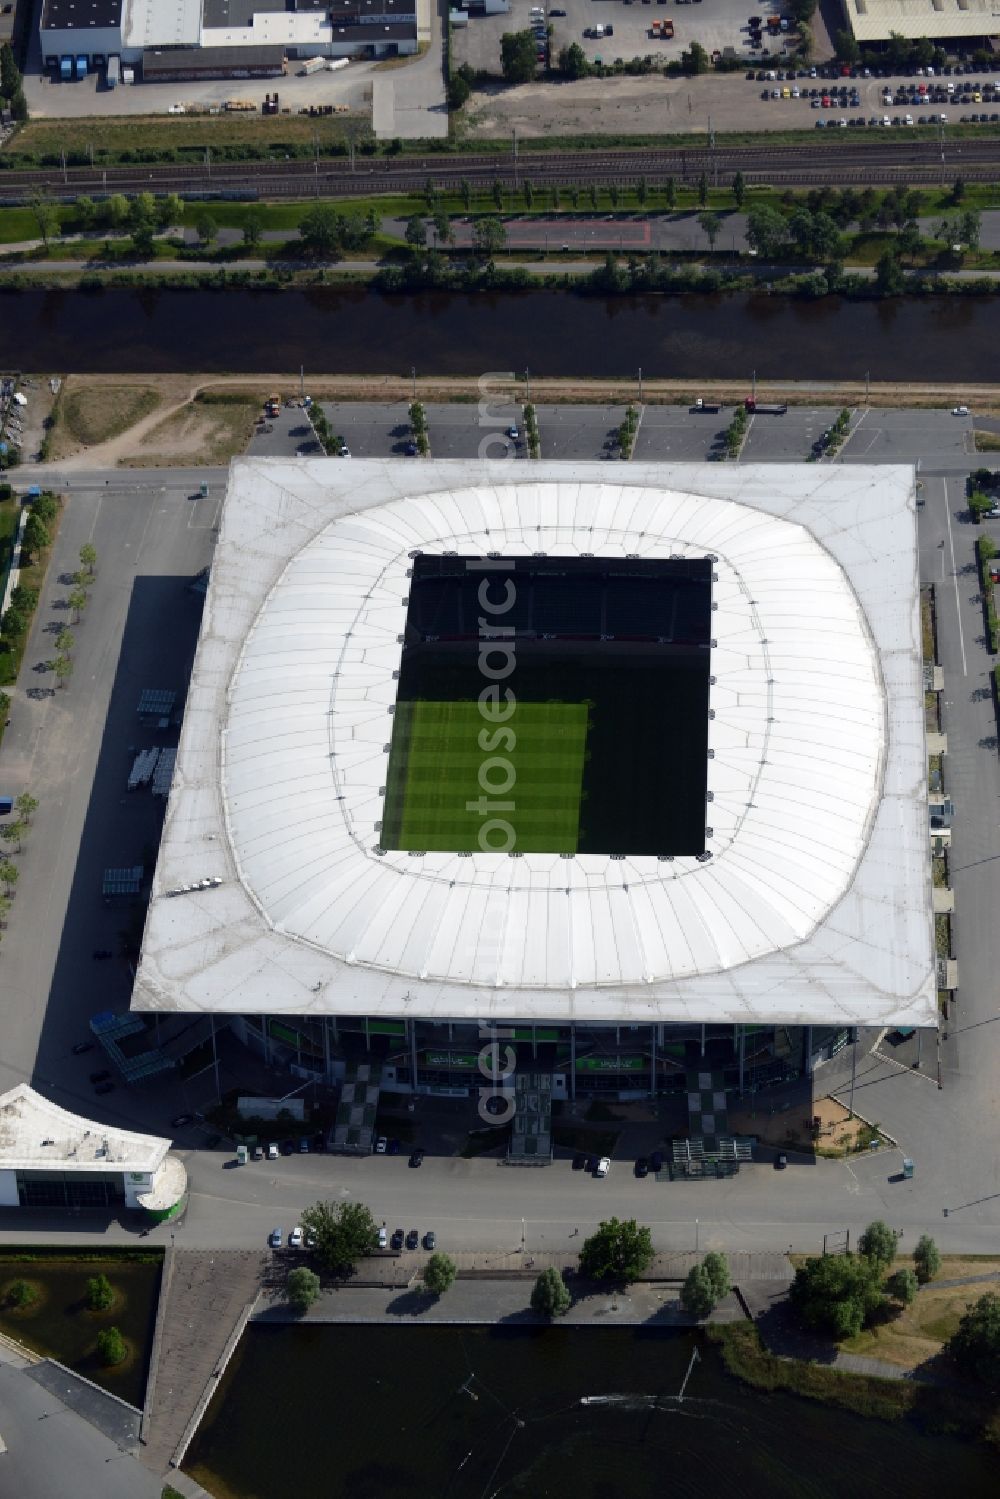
(629, 763)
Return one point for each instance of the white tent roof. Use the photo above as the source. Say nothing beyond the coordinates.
(35, 1133)
(815, 905)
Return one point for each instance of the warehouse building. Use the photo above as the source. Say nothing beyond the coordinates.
(739, 893)
(951, 24)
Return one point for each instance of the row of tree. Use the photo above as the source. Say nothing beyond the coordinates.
(11, 83)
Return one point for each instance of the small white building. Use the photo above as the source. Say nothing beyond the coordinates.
(50, 1158)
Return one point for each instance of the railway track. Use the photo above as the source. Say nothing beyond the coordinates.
(874, 163)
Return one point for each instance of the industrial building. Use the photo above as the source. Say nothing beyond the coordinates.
(784, 898)
(50, 1158)
(223, 38)
(951, 24)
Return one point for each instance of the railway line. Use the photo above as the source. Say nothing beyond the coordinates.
(875, 162)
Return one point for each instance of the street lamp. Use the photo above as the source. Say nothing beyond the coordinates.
(696, 1236)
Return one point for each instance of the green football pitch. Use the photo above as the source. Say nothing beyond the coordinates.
(436, 767)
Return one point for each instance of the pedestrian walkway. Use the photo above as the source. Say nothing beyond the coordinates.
(206, 1295)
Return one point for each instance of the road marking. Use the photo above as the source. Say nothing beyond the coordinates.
(954, 576)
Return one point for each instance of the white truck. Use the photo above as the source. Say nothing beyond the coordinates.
(314, 65)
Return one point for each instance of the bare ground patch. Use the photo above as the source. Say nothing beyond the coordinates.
(91, 414)
(199, 433)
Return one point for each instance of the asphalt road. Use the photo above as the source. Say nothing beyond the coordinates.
(73, 749)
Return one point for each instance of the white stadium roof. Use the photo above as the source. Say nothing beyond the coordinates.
(815, 905)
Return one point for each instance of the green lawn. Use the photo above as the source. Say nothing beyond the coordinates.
(437, 760)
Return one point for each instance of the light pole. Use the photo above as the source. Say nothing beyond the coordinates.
(522, 1235)
(696, 1236)
(413, 380)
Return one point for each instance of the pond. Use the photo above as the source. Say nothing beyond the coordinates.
(491, 1413)
(59, 1325)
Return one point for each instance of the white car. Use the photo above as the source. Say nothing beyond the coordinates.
(603, 1166)
(383, 1238)
(960, 411)
(295, 1238)
(345, 451)
(272, 1151)
(381, 1145)
(274, 1238)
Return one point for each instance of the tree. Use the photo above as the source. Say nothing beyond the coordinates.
(84, 212)
(498, 196)
(716, 1267)
(63, 668)
(642, 192)
(711, 225)
(11, 83)
(697, 1297)
(489, 237)
(170, 211)
(77, 601)
(550, 1296)
(837, 1294)
(26, 804)
(528, 192)
(458, 92)
(4, 707)
(572, 61)
(4, 909)
(143, 244)
(889, 277)
(65, 642)
(36, 535)
(442, 226)
(9, 875)
(301, 1288)
(44, 214)
(975, 1345)
(253, 225)
(100, 1293)
(439, 1273)
(319, 231)
(206, 228)
(766, 230)
(344, 1233)
(21, 1294)
(116, 212)
(846, 46)
(670, 193)
(695, 59)
(142, 211)
(703, 189)
(416, 232)
(13, 832)
(740, 188)
(926, 1259)
(958, 190)
(465, 193)
(878, 1244)
(971, 228)
(517, 56)
(620, 1250)
(902, 1286)
(111, 1346)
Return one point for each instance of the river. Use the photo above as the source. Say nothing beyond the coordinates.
(493, 1413)
(359, 331)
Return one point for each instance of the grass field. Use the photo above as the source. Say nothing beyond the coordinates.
(185, 133)
(90, 415)
(437, 766)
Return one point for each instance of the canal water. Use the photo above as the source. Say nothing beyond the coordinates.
(494, 1413)
(359, 331)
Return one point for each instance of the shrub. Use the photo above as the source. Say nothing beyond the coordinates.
(697, 1296)
(926, 1257)
(550, 1296)
(302, 1288)
(111, 1347)
(902, 1286)
(100, 1293)
(21, 1294)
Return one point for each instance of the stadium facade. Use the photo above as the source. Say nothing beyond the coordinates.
(742, 875)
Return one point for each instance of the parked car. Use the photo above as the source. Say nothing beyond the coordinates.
(603, 1166)
(642, 1167)
(381, 1145)
(383, 1238)
(304, 1145)
(272, 1151)
(430, 1239)
(412, 1239)
(960, 411)
(579, 1161)
(274, 1238)
(656, 1161)
(393, 1147)
(416, 1157)
(780, 1162)
(179, 1120)
(319, 1142)
(257, 1153)
(288, 1147)
(398, 1238)
(81, 1047)
(295, 1238)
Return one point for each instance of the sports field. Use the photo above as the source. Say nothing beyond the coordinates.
(436, 767)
